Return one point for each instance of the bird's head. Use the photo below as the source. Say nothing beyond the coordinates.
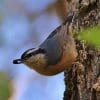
(34, 57)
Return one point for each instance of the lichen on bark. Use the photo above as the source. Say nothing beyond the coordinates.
(82, 80)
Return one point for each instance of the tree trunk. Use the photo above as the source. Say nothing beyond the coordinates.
(82, 80)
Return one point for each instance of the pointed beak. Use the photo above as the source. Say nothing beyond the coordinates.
(17, 61)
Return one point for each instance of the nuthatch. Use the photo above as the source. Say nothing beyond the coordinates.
(55, 54)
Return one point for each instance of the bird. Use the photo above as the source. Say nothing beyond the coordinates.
(57, 52)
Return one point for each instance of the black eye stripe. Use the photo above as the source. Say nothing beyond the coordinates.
(26, 55)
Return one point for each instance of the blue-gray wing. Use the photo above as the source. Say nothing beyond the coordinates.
(53, 50)
(53, 45)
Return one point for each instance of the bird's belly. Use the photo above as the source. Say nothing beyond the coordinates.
(67, 59)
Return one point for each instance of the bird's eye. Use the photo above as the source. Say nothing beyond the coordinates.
(27, 53)
(41, 50)
(25, 56)
(32, 52)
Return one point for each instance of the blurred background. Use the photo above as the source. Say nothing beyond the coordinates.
(25, 24)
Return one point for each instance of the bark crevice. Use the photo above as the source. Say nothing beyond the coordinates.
(82, 80)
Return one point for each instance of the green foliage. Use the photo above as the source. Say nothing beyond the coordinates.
(4, 87)
(91, 35)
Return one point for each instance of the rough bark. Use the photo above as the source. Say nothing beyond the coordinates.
(82, 80)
